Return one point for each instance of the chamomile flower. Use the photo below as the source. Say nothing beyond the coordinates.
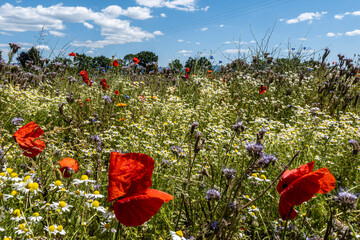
(22, 229)
(16, 215)
(109, 213)
(96, 194)
(78, 193)
(5, 197)
(96, 205)
(62, 206)
(56, 185)
(84, 179)
(261, 178)
(178, 235)
(55, 229)
(35, 217)
(106, 227)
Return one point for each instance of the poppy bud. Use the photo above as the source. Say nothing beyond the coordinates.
(356, 146)
(58, 174)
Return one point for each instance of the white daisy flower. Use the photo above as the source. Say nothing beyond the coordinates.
(78, 193)
(178, 235)
(35, 217)
(56, 185)
(96, 194)
(96, 205)
(83, 179)
(55, 229)
(62, 206)
(106, 227)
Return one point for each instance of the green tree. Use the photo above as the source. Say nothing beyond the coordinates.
(176, 65)
(101, 61)
(146, 57)
(128, 58)
(32, 55)
(83, 62)
(198, 64)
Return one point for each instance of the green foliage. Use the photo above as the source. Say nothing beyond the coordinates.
(128, 58)
(32, 55)
(197, 65)
(176, 64)
(146, 57)
(101, 61)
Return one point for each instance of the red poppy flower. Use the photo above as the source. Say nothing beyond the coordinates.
(130, 180)
(72, 54)
(88, 100)
(187, 70)
(300, 185)
(209, 71)
(28, 139)
(104, 84)
(187, 76)
(136, 60)
(115, 63)
(262, 89)
(85, 77)
(68, 165)
(116, 92)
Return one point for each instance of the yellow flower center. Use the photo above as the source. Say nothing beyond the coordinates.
(29, 185)
(107, 225)
(13, 175)
(84, 177)
(9, 170)
(2, 174)
(252, 213)
(62, 204)
(7, 238)
(31, 171)
(22, 227)
(1, 196)
(16, 213)
(96, 192)
(95, 204)
(57, 183)
(179, 233)
(35, 186)
(13, 193)
(52, 228)
(26, 178)
(59, 228)
(253, 207)
(254, 174)
(77, 192)
(247, 196)
(36, 214)
(63, 190)
(263, 176)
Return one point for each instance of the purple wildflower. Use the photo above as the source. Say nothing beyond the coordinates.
(255, 150)
(17, 121)
(229, 173)
(107, 99)
(212, 194)
(346, 199)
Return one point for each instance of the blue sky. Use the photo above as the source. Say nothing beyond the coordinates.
(182, 28)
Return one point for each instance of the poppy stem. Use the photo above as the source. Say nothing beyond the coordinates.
(286, 222)
(118, 232)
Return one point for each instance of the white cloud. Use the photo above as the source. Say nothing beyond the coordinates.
(185, 51)
(180, 40)
(4, 45)
(53, 18)
(90, 52)
(308, 16)
(138, 13)
(221, 25)
(204, 29)
(183, 5)
(205, 9)
(353, 33)
(57, 33)
(158, 33)
(5, 33)
(197, 43)
(252, 41)
(331, 34)
(43, 47)
(231, 51)
(341, 16)
(88, 25)
(163, 15)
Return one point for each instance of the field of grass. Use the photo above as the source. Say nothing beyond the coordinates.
(219, 148)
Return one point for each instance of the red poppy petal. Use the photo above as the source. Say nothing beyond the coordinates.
(134, 211)
(69, 163)
(129, 174)
(304, 188)
(285, 208)
(327, 182)
(291, 175)
(27, 138)
(64, 172)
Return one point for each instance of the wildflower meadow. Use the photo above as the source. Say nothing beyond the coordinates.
(259, 148)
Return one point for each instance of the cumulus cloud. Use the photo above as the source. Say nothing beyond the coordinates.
(163, 15)
(341, 16)
(197, 43)
(88, 25)
(185, 51)
(221, 25)
(232, 51)
(158, 33)
(57, 33)
(308, 16)
(43, 47)
(331, 34)
(204, 29)
(353, 33)
(180, 40)
(183, 5)
(53, 19)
